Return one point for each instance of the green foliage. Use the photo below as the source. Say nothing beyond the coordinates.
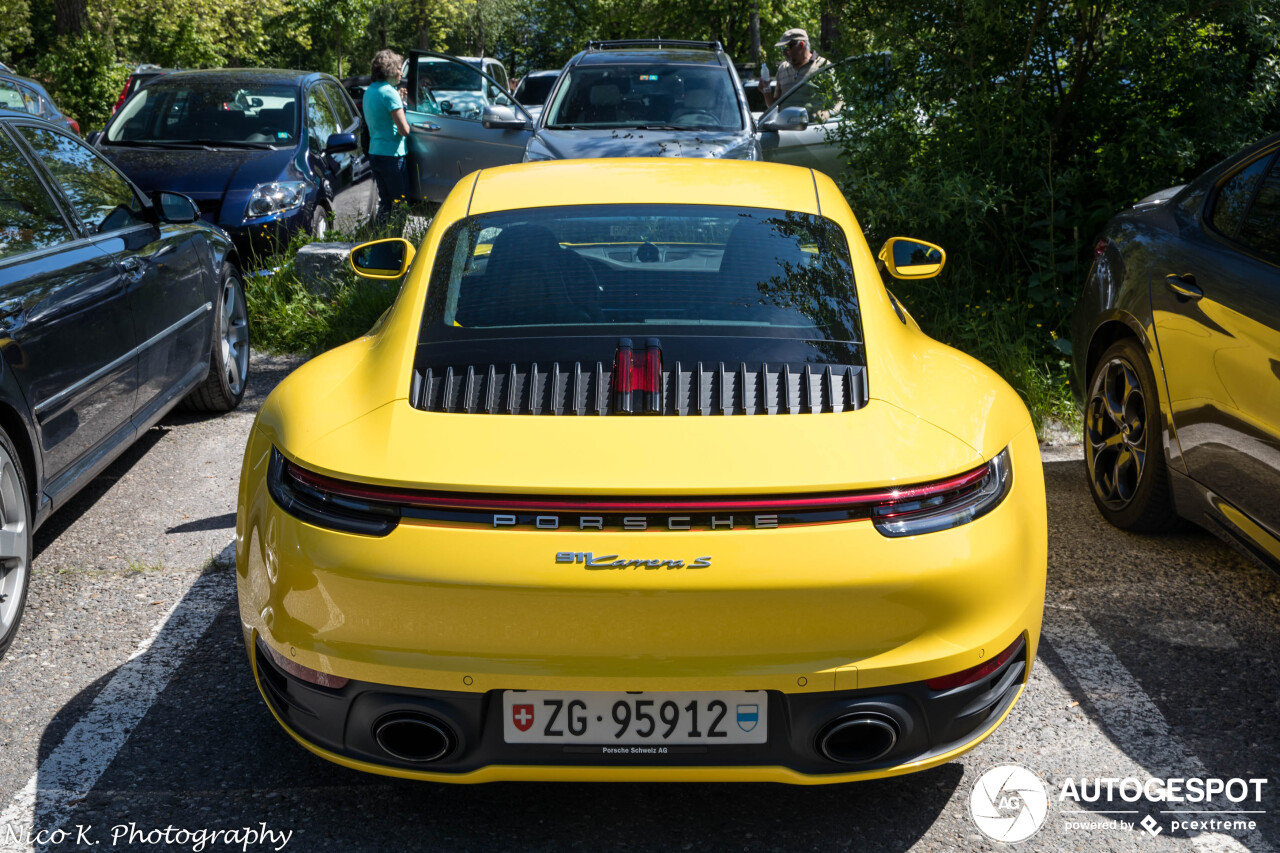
(1008, 132)
(83, 77)
(196, 33)
(286, 317)
(16, 32)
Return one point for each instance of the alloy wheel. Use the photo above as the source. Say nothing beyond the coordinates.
(235, 336)
(1116, 434)
(14, 543)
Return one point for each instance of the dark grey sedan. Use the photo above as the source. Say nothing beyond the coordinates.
(1177, 356)
(114, 307)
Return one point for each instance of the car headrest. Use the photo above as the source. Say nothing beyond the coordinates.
(605, 96)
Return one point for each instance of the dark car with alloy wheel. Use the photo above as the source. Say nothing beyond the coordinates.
(1177, 357)
(264, 153)
(115, 306)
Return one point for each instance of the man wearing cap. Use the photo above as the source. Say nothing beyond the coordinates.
(800, 63)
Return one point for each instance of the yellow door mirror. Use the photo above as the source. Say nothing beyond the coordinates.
(906, 258)
(382, 259)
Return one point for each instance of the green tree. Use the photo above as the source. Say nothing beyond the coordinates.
(16, 33)
(1010, 130)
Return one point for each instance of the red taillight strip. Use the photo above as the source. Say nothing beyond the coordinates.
(429, 500)
(975, 673)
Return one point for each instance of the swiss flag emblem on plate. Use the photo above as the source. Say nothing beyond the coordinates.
(522, 716)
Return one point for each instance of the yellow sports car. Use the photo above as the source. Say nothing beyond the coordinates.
(630, 484)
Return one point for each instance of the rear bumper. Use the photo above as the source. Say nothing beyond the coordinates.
(932, 727)
(820, 618)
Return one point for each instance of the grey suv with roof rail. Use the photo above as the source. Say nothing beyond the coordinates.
(635, 98)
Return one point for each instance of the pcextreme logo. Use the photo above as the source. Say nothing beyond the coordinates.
(1009, 803)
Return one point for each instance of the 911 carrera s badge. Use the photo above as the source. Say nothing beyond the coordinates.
(615, 561)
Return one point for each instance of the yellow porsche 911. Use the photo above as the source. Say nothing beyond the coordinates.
(645, 476)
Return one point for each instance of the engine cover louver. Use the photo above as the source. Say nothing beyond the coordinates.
(586, 389)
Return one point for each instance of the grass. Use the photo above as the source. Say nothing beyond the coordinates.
(286, 317)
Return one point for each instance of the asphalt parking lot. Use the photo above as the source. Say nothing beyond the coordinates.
(129, 719)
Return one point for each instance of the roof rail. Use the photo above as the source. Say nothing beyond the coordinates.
(659, 42)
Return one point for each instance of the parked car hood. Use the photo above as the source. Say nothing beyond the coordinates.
(623, 142)
(198, 171)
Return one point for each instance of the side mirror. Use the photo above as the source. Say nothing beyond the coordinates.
(906, 258)
(382, 259)
(93, 138)
(174, 207)
(340, 143)
(791, 118)
(502, 118)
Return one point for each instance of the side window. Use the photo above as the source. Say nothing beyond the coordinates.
(1234, 197)
(321, 122)
(1261, 227)
(817, 93)
(102, 199)
(338, 98)
(10, 97)
(32, 100)
(29, 220)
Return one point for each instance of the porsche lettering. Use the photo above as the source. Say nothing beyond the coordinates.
(638, 522)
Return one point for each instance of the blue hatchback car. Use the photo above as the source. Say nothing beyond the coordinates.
(264, 153)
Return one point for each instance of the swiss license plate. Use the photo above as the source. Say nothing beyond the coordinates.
(580, 717)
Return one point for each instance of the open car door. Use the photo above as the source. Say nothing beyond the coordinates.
(816, 145)
(448, 137)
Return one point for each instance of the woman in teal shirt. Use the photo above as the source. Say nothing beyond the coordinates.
(388, 130)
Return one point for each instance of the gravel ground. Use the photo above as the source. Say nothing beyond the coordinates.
(1159, 660)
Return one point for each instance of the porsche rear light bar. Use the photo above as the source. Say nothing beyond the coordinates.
(976, 673)
(375, 510)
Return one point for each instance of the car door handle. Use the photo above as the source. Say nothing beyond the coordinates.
(1183, 285)
(133, 268)
(428, 126)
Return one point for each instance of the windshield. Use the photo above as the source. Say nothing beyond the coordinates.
(645, 95)
(209, 111)
(652, 269)
(441, 75)
(533, 91)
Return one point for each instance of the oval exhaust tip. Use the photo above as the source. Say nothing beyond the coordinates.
(413, 737)
(858, 738)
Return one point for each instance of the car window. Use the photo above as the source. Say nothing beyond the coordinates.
(338, 99)
(533, 91)
(32, 100)
(10, 97)
(321, 121)
(459, 89)
(1234, 196)
(29, 219)
(696, 97)
(207, 111)
(817, 93)
(1261, 227)
(777, 273)
(102, 199)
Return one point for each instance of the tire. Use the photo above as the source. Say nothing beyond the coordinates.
(223, 389)
(1123, 451)
(15, 542)
(319, 223)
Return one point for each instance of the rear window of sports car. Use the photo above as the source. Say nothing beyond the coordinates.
(686, 269)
